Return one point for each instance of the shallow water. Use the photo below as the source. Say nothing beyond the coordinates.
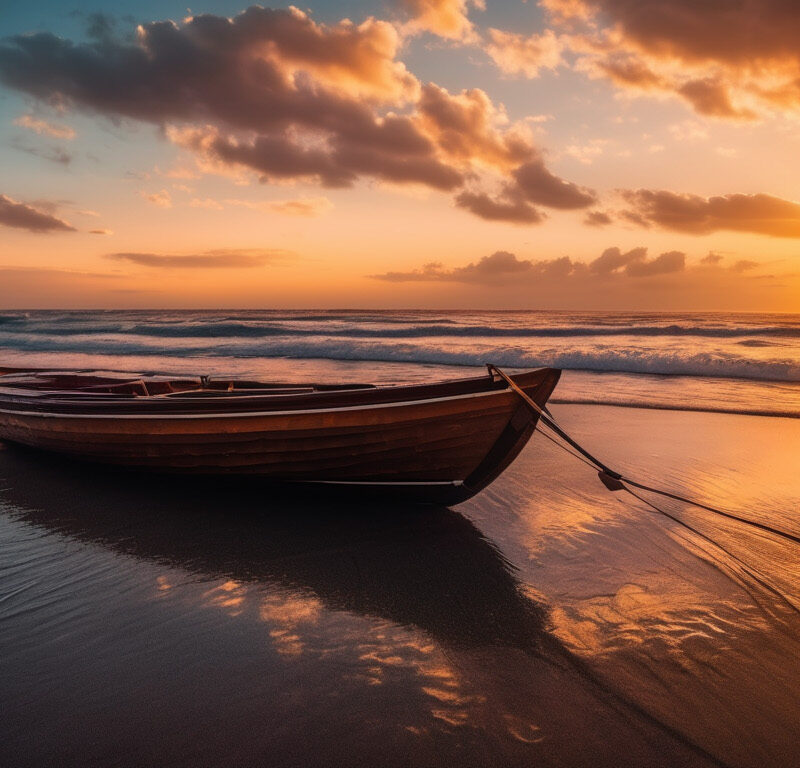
(544, 622)
(742, 363)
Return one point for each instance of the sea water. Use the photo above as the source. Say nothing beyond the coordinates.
(741, 363)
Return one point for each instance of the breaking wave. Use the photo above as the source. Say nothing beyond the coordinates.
(633, 360)
(348, 328)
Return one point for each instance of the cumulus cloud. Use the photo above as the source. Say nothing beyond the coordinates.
(499, 268)
(758, 214)
(710, 96)
(597, 219)
(445, 18)
(503, 268)
(524, 55)
(626, 70)
(539, 185)
(22, 216)
(44, 127)
(274, 93)
(702, 52)
(613, 259)
(508, 209)
(467, 127)
(664, 264)
(215, 259)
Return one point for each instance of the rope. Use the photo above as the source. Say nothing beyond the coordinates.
(750, 571)
(615, 481)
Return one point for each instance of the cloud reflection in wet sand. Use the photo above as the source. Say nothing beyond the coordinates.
(703, 634)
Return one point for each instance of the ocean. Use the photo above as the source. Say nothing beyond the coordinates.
(737, 363)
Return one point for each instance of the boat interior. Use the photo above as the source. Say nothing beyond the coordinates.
(115, 391)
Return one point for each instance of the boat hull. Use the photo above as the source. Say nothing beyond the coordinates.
(441, 448)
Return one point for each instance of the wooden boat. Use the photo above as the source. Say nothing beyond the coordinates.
(440, 442)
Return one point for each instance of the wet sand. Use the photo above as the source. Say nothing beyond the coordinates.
(545, 622)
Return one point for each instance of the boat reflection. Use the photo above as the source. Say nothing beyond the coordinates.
(426, 567)
(407, 617)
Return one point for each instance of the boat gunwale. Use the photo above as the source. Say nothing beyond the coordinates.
(252, 414)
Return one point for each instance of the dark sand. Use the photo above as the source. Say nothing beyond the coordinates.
(546, 622)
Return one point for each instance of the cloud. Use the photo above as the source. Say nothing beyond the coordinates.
(216, 259)
(712, 258)
(43, 127)
(498, 268)
(539, 185)
(306, 206)
(466, 127)
(100, 232)
(22, 216)
(520, 55)
(504, 268)
(516, 211)
(613, 259)
(744, 265)
(597, 219)
(445, 18)
(276, 94)
(162, 199)
(759, 214)
(634, 263)
(709, 96)
(251, 70)
(627, 70)
(664, 264)
(702, 52)
(741, 34)
(303, 206)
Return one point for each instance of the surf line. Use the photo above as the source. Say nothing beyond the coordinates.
(616, 481)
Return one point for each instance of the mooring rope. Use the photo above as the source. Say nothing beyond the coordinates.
(616, 481)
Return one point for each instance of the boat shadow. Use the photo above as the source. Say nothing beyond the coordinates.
(422, 566)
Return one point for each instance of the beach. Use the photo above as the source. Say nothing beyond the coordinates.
(546, 621)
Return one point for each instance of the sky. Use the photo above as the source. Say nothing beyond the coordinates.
(565, 154)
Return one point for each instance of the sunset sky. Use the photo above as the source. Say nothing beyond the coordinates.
(597, 154)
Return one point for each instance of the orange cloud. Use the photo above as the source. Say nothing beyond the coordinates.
(759, 214)
(511, 208)
(445, 18)
(303, 206)
(162, 199)
(43, 127)
(307, 206)
(711, 97)
(517, 54)
(597, 219)
(272, 92)
(22, 216)
(216, 259)
(467, 127)
(703, 52)
(504, 268)
(539, 185)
